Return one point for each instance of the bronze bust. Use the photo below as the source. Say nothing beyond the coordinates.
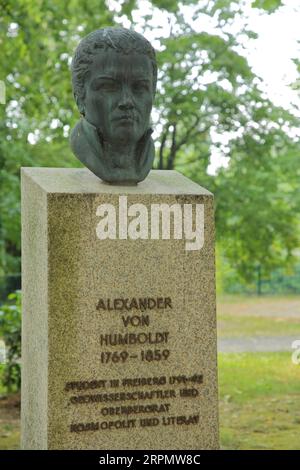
(114, 76)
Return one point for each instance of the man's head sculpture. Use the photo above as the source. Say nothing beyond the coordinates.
(114, 77)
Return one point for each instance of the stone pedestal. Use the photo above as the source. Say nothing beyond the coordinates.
(119, 324)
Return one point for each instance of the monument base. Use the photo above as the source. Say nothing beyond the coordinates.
(119, 343)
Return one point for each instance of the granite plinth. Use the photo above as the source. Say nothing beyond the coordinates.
(119, 334)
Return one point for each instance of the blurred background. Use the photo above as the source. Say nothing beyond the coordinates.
(226, 115)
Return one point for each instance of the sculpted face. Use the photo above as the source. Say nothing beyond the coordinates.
(119, 95)
(114, 75)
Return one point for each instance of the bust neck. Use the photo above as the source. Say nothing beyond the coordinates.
(121, 154)
(131, 165)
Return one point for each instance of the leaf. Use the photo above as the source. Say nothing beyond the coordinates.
(268, 5)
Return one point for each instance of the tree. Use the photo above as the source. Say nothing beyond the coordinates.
(258, 203)
(206, 89)
(37, 41)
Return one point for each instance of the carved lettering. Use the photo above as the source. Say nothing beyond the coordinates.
(104, 425)
(116, 339)
(180, 420)
(123, 396)
(142, 304)
(136, 320)
(136, 409)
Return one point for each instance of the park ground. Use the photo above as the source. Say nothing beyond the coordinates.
(259, 391)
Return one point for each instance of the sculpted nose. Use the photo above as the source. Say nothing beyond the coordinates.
(126, 100)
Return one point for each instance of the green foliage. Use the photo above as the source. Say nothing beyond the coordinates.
(127, 7)
(37, 41)
(205, 88)
(169, 5)
(10, 332)
(283, 280)
(269, 5)
(199, 90)
(258, 203)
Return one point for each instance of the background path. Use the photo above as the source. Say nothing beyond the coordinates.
(257, 344)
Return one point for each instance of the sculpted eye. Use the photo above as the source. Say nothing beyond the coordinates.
(105, 85)
(141, 86)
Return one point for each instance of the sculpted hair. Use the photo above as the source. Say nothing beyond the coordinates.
(121, 40)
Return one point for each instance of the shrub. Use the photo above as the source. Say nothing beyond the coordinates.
(10, 332)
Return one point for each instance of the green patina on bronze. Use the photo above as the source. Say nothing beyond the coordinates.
(114, 77)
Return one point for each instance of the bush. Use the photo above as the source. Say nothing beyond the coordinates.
(10, 332)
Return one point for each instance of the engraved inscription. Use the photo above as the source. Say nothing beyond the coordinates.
(117, 339)
(116, 400)
(145, 303)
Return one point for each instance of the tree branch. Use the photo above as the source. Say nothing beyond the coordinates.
(162, 147)
(172, 154)
(188, 133)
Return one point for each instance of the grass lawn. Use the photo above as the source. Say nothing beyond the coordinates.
(258, 316)
(233, 326)
(259, 404)
(259, 401)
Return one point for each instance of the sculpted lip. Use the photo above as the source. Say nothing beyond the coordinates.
(125, 117)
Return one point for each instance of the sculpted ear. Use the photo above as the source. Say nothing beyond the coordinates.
(80, 104)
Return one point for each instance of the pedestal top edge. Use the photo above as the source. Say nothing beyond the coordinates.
(82, 181)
